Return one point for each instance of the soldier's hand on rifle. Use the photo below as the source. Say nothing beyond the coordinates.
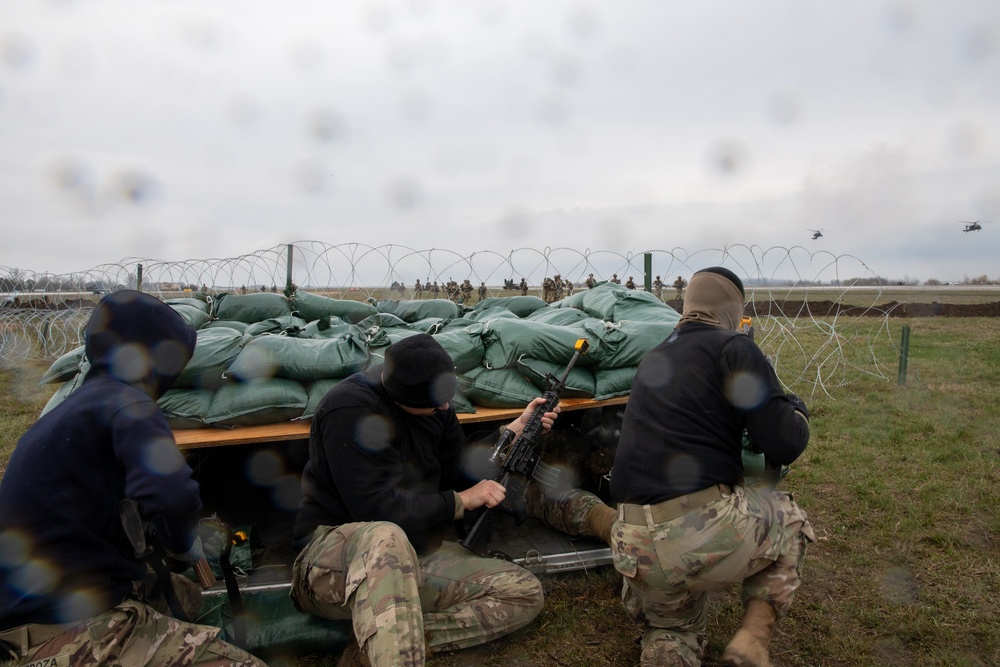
(548, 419)
(488, 492)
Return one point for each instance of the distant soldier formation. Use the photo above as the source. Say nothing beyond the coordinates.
(552, 289)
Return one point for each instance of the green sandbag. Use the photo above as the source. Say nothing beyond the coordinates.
(623, 344)
(316, 391)
(464, 346)
(579, 382)
(250, 308)
(501, 388)
(508, 340)
(200, 304)
(214, 351)
(414, 310)
(65, 367)
(226, 324)
(264, 401)
(558, 316)
(275, 629)
(186, 408)
(301, 359)
(66, 389)
(612, 382)
(522, 306)
(289, 325)
(328, 326)
(314, 306)
(193, 316)
(486, 314)
(643, 307)
(429, 325)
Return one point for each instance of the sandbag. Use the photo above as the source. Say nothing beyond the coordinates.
(289, 325)
(65, 367)
(507, 340)
(214, 351)
(558, 316)
(579, 382)
(464, 346)
(66, 389)
(200, 304)
(487, 314)
(315, 392)
(413, 310)
(314, 306)
(193, 316)
(186, 408)
(262, 401)
(612, 382)
(301, 359)
(328, 326)
(226, 324)
(522, 306)
(250, 308)
(623, 344)
(500, 388)
(615, 303)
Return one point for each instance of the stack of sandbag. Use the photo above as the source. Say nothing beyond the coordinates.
(265, 358)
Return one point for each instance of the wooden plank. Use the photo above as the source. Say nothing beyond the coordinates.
(298, 430)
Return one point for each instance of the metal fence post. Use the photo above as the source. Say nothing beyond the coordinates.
(288, 271)
(647, 260)
(904, 353)
(138, 278)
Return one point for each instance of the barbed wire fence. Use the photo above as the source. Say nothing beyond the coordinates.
(815, 346)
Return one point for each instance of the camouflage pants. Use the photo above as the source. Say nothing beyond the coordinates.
(565, 510)
(752, 535)
(131, 634)
(402, 606)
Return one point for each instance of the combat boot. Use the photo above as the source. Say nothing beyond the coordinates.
(598, 522)
(353, 656)
(748, 647)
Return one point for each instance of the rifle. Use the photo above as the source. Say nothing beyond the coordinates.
(518, 454)
(144, 540)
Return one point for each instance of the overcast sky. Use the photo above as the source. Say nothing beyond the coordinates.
(176, 130)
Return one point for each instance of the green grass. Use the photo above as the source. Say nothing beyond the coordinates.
(900, 483)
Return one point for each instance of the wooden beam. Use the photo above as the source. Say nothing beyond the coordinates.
(299, 430)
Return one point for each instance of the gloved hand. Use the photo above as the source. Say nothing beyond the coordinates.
(798, 404)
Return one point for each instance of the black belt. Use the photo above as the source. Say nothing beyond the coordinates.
(669, 510)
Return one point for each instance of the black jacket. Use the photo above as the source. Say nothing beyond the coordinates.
(691, 399)
(371, 461)
(63, 553)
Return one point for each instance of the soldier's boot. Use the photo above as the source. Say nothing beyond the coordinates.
(353, 656)
(598, 522)
(748, 647)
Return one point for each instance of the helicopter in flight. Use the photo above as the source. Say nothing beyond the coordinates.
(817, 233)
(971, 226)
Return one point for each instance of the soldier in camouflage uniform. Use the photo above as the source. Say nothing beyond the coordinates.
(71, 586)
(630, 284)
(482, 291)
(688, 523)
(658, 287)
(523, 285)
(590, 281)
(377, 516)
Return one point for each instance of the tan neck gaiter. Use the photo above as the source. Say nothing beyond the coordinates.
(712, 299)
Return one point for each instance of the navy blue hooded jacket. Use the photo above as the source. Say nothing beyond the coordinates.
(63, 553)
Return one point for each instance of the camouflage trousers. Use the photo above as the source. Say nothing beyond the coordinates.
(131, 634)
(401, 606)
(756, 536)
(564, 510)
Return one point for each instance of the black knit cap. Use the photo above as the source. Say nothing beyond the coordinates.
(727, 274)
(418, 372)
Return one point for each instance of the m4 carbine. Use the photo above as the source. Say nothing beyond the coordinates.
(518, 454)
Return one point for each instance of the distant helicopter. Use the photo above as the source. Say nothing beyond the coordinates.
(817, 233)
(971, 226)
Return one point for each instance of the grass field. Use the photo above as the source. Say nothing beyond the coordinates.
(900, 482)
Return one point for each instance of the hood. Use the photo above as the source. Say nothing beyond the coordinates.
(139, 340)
